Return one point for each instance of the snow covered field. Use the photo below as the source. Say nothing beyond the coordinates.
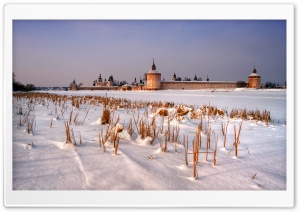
(43, 161)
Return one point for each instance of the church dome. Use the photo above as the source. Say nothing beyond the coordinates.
(153, 66)
(254, 70)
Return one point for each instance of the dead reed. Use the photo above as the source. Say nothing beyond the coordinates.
(68, 135)
(186, 146)
(31, 123)
(105, 118)
(224, 132)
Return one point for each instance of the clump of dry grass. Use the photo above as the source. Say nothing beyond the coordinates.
(194, 114)
(181, 111)
(163, 112)
(105, 118)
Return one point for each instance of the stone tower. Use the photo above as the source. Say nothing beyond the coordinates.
(254, 80)
(153, 79)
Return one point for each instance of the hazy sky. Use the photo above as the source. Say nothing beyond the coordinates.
(53, 53)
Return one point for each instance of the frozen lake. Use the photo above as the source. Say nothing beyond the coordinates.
(271, 100)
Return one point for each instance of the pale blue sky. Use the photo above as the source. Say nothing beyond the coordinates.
(53, 53)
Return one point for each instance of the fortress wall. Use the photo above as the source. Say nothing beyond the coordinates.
(197, 85)
(98, 88)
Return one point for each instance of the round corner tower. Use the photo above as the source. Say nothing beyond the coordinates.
(254, 80)
(153, 79)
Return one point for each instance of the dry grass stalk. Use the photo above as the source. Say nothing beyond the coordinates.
(129, 128)
(165, 148)
(20, 110)
(186, 144)
(162, 123)
(70, 119)
(169, 130)
(85, 115)
(51, 123)
(239, 133)
(236, 139)
(224, 132)
(215, 152)
(208, 143)
(160, 143)
(101, 142)
(198, 137)
(68, 136)
(195, 158)
(73, 140)
(254, 176)
(25, 120)
(30, 125)
(176, 134)
(75, 118)
(248, 150)
(136, 121)
(80, 139)
(236, 144)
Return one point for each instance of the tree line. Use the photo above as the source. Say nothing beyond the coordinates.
(18, 86)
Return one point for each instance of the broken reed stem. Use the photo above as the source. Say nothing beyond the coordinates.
(224, 132)
(70, 119)
(248, 150)
(239, 133)
(215, 152)
(117, 145)
(68, 139)
(135, 122)
(186, 143)
(25, 119)
(235, 142)
(162, 123)
(195, 158)
(129, 128)
(75, 118)
(73, 137)
(99, 140)
(85, 115)
(102, 142)
(30, 125)
(166, 142)
(80, 140)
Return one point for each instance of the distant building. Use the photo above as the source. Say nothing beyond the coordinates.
(153, 79)
(174, 77)
(254, 80)
(73, 85)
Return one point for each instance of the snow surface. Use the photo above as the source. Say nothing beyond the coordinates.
(43, 161)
